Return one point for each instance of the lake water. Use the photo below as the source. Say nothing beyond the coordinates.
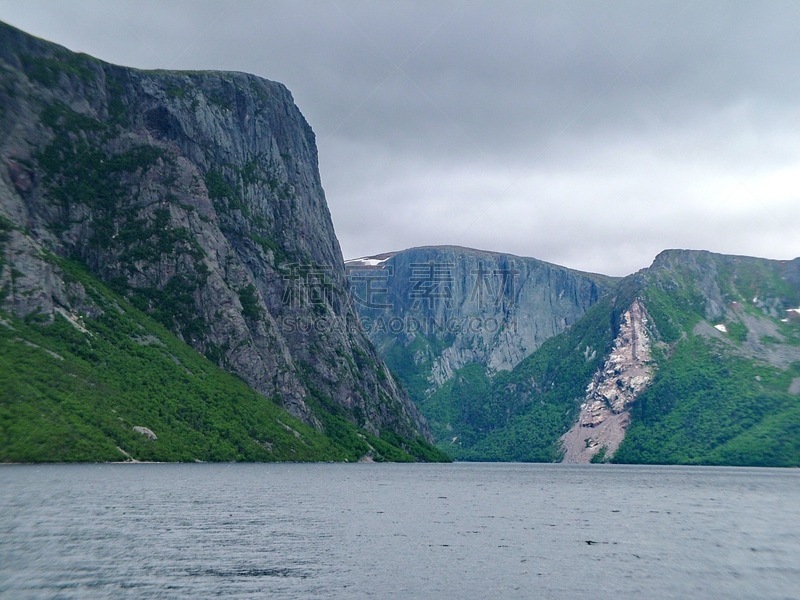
(398, 531)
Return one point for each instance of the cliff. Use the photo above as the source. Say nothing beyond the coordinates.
(432, 311)
(453, 322)
(196, 196)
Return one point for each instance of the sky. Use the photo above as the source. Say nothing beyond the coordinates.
(589, 134)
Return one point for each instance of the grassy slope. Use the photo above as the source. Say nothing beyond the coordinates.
(707, 404)
(709, 407)
(83, 403)
(519, 415)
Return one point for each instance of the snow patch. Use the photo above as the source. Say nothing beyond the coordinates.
(366, 262)
(721, 327)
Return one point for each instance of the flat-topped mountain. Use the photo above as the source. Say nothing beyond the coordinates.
(434, 310)
(195, 197)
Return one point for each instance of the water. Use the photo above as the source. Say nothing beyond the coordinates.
(398, 531)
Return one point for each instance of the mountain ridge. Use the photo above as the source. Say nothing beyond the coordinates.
(469, 249)
(578, 395)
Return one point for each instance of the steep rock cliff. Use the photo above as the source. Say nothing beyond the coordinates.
(197, 196)
(432, 311)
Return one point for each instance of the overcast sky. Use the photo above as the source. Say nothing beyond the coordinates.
(589, 134)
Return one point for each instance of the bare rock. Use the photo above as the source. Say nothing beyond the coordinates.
(626, 373)
(148, 433)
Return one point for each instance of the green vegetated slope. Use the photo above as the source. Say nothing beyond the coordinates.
(718, 397)
(707, 406)
(68, 394)
(520, 414)
(411, 363)
(190, 207)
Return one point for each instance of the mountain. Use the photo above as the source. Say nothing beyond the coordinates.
(694, 360)
(447, 320)
(193, 198)
(171, 288)
(725, 360)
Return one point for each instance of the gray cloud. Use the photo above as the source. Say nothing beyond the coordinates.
(588, 134)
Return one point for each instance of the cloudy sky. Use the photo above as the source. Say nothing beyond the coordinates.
(589, 134)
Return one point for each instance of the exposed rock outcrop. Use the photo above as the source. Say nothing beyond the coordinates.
(604, 416)
(146, 432)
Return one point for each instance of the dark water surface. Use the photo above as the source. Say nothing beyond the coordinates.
(398, 531)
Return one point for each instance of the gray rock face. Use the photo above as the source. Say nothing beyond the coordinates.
(628, 371)
(196, 195)
(467, 306)
(146, 432)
